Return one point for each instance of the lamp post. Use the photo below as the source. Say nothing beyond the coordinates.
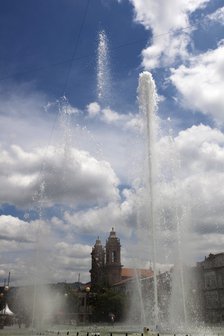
(2, 317)
(86, 310)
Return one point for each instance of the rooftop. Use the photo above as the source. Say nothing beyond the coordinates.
(132, 272)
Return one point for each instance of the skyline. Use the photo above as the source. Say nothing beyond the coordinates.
(72, 163)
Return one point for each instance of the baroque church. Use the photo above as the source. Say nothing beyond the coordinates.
(107, 269)
(106, 262)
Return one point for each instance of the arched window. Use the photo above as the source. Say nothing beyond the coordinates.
(113, 256)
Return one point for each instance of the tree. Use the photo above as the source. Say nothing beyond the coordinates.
(107, 302)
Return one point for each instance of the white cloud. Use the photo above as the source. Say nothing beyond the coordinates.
(23, 119)
(135, 123)
(14, 229)
(74, 251)
(60, 246)
(201, 83)
(29, 130)
(196, 160)
(75, 176)
(71, 259)
(168, 21)
(20, 247)
(93, 109)
(92, 221)
(72, 177)
(109, 116)
(217, 16)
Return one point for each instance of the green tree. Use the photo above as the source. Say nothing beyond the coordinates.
(107, 302)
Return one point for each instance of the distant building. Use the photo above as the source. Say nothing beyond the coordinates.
(106, 262)
(204, 283)
(211, 272)
(107, 269)
(113, 259)
(98, 263)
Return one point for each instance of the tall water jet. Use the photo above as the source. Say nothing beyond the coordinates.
(148, 105)
(103, 70)
(43, 297)
(140, 297)
(178, 304)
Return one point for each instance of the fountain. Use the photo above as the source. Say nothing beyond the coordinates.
(147, 97)
(173, 313)
(148, 103)
(103, 70)
(148, 107)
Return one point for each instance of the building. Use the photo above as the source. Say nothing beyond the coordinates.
(204, 284)
(211, 272)
(113, 259)
(107, 269)
(98, 262)
(106, 262)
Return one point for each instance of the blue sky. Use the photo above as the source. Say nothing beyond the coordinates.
(68, 30)
(73, 169)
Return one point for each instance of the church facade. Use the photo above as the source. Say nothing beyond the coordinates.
(106, 268)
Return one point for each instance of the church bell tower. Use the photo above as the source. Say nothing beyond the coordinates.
(97, 270)
(113, 259)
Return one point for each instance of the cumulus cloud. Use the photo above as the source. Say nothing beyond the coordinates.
(24, 246)
(108, 116)
(71, 259)
(74, 251)
(14, 229)
(73, 177)
(217, 16)
(23, 119)
(168, 21)
(61, 245)
(201, 83)
(122, 215)
(93, 109)
(197, 157)
(18, 248)
(135, 123)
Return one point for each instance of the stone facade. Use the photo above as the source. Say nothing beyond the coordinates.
(98, 265)
(113, 259)
(212, 286)
(106, 262)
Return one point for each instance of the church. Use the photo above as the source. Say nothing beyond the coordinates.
(107, 270)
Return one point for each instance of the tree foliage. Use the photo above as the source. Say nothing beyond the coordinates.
(108, 302)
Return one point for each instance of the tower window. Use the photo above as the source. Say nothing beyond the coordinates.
(113, 256)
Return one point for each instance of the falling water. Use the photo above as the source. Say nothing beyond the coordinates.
(140, 298)
(178, 297)
(180, 264)
(43, 307)
(148, 104)
(103, 70)
(38, 273)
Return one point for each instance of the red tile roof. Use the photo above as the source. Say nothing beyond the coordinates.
(131, 273)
